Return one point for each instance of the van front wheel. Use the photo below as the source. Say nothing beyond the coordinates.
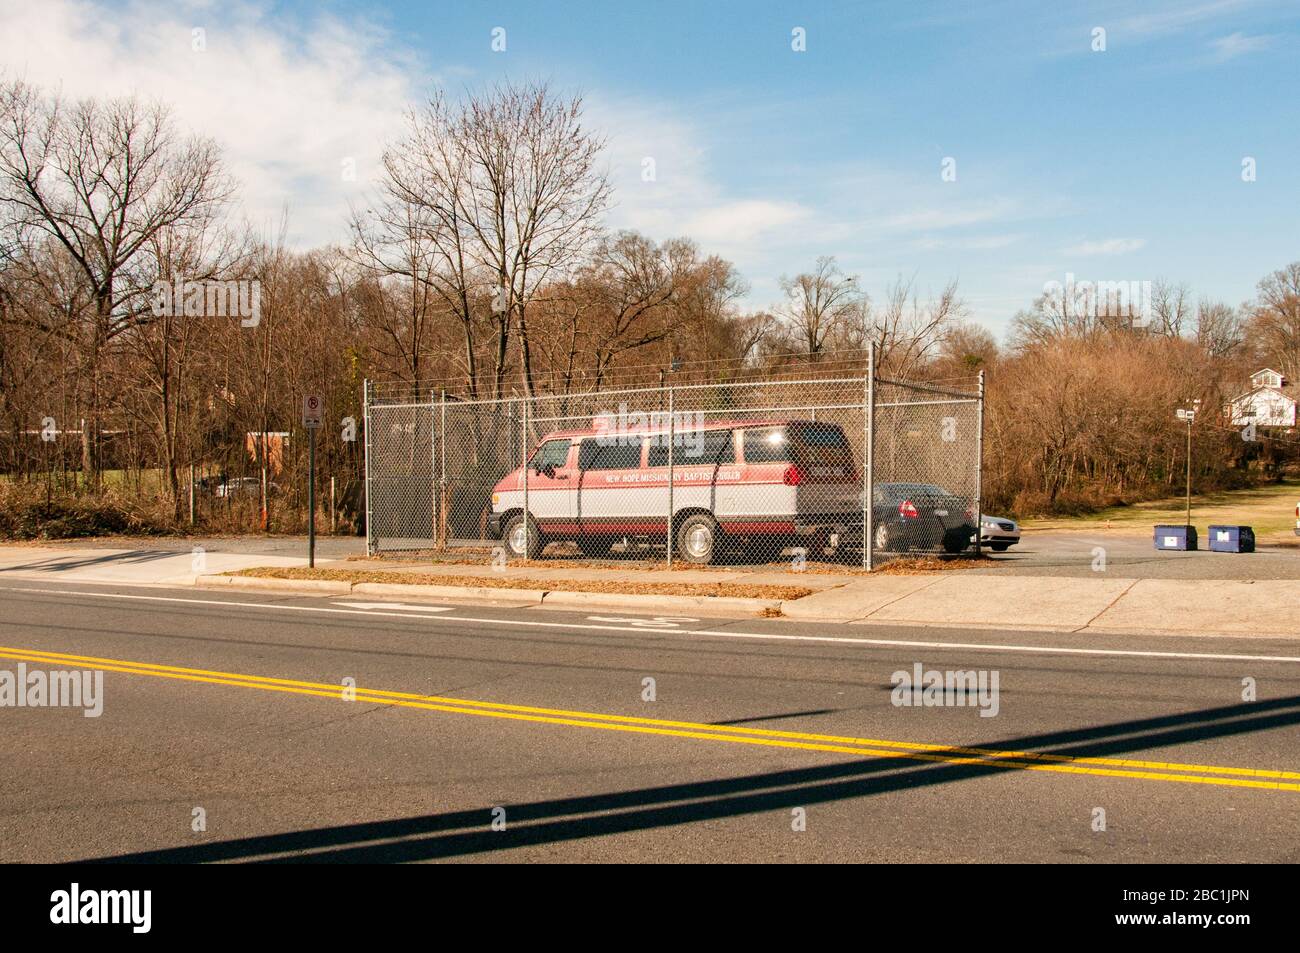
(697, 539)
(521, 538)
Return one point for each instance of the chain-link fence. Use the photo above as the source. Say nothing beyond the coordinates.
(702, 474)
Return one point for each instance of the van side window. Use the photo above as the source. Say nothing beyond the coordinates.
(716, 447)
(769, 445)
(553, 453)
(614, 456)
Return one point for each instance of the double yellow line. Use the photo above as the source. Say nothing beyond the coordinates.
(863, 747)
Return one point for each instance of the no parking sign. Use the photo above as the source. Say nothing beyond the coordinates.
(311, 411)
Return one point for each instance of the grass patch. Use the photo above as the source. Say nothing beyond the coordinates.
(1270, 509)
(713, 589)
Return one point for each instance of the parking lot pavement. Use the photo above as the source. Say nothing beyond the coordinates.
(1123, 553)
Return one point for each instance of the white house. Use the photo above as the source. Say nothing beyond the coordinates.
(1271, 402)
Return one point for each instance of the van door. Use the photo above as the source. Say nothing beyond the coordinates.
(553, 487)
(614, 489)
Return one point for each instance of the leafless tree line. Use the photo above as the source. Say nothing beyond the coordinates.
(480, 266)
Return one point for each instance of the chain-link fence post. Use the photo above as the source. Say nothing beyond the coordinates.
(523, 450)
(442, 470)
(365, 424)
(672, 440)
(979, 470)
(868, 464)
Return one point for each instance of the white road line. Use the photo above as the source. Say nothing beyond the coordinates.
(709, 633)
(402, 606)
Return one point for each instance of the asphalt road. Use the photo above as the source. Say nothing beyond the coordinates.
(545, 715)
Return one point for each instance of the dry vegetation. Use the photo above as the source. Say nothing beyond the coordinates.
(714, 589)
(480, 266)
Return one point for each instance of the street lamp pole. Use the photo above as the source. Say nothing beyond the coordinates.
(1188, 415)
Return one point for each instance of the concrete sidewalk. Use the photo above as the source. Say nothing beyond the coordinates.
(1007, 602)
(133, 566)
(955, 598)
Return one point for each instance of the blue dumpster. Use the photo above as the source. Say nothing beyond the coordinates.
(1176, 537)
(1232, 539)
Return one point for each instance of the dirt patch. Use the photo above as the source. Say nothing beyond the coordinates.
(716, 589)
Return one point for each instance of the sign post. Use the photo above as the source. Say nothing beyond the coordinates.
(311, 419)
(1188, 415)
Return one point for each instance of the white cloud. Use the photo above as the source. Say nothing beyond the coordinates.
(1180, 16)
(1239, 44)
(1107, 246)
(975, 243)
(956, 216)
(287, 101)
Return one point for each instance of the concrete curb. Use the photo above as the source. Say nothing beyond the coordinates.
(480, 594)
(280, 585)
(444, 593)
(615, 600)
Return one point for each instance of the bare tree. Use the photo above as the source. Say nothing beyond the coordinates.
(101, 180)
(508, 190)
(907, 331)
(1275, 319)
(1219, 328)
(819, 304)
(1171, 308)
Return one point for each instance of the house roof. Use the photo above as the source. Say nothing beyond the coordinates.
(1264, 390)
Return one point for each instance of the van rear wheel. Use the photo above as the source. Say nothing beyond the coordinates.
(697, 539)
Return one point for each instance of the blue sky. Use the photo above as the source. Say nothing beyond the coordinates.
(1123, 164)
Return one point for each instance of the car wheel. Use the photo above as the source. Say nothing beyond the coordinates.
(999, 547)
(883, 538)
(521, 538)
(697, 539)
(954, 544)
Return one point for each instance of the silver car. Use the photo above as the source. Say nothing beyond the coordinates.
(998, 533)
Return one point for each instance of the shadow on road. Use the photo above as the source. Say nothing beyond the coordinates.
(65, 563)
(462, 833)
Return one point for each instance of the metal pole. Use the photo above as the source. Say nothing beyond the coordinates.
(672, 439)
(191, 494)
(433, 469)
(524, 450)
(1189, 472)
(334, 521)
(365, 423)
(868, 465)
(442, 470)
(311, 498)
(979, 470)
